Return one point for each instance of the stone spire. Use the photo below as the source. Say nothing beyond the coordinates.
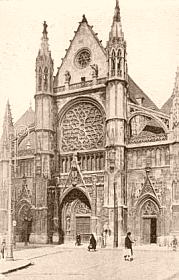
(44, 41)
(8, 123)
(176, 85)
(7, 131)
(116, 28)
(175, 108)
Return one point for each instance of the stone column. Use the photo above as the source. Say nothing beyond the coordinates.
(93, 208)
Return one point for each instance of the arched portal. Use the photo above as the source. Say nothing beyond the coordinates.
(24, 221)
(149, 222)
(75, 216)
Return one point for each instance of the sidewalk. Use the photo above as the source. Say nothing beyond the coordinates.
(23, 255)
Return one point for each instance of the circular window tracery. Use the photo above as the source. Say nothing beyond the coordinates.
(82, 128)
(83, 58)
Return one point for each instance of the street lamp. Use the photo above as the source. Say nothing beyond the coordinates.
(9, 256)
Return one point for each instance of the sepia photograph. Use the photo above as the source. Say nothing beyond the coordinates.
(89, 140)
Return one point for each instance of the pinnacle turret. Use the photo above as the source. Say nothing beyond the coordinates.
(44, 65)
(8, 123)
(116, 48)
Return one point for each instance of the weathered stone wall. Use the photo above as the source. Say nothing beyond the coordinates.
(161, 180)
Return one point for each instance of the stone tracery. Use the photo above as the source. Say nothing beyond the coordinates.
(82, 128)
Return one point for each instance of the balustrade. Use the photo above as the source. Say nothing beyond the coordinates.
(80, 85)
(87, 162)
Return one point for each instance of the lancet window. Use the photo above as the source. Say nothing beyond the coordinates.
(40, 79)
(45, 78)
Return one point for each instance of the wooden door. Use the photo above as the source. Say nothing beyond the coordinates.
(83, 228)
(153, 230)
(146, 230)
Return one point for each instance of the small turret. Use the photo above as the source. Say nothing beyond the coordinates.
(116, 48)
(44, 65)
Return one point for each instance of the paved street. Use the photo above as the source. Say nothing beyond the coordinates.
(77, 263)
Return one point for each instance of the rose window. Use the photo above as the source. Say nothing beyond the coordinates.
(82, 128)
(83, 58)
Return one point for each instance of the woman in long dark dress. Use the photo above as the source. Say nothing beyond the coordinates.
(92, 244)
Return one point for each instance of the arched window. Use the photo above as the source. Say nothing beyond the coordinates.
(40, 79)
(113, 63)
(46, 78)
(119, 63)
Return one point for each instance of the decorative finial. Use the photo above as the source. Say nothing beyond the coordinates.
(117, 16)
(84, 19)
(45, 29)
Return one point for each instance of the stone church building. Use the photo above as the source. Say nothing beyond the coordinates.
(97, 155)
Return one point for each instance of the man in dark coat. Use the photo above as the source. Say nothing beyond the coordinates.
(128, 247)
(3, 248)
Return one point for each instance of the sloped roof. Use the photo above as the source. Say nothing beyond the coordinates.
(166, 108)
(28, 118)
(135, 92)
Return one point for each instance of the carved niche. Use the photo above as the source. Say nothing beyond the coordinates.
(82, 128)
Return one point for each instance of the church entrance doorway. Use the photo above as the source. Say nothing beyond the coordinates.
(24, 222)
(83, 228)
(149, 230)
(149, 222)
(76, 216)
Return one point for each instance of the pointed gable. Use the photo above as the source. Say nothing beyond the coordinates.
(85, 39)
(75, 177)
(147, 188)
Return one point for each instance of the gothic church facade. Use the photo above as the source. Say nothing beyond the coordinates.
(97, 155)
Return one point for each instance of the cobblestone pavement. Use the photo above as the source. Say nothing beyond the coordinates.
(77, 263)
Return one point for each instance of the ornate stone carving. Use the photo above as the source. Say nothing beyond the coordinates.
(149, 208)
(150, 138)
(82, 208)
(83, 58)
(82, 128)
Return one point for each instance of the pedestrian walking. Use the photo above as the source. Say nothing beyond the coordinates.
(174, 243)
(3, 248)
(78, 240)
(128, 252)
(92, 244)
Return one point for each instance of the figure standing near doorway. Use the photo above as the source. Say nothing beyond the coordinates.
(92, 244)
(174, 243)
(128, 255)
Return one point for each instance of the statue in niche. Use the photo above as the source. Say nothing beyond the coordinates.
(68, 226)
(67, 77)
(94, 70)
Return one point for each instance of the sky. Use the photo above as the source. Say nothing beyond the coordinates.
(151, 29)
